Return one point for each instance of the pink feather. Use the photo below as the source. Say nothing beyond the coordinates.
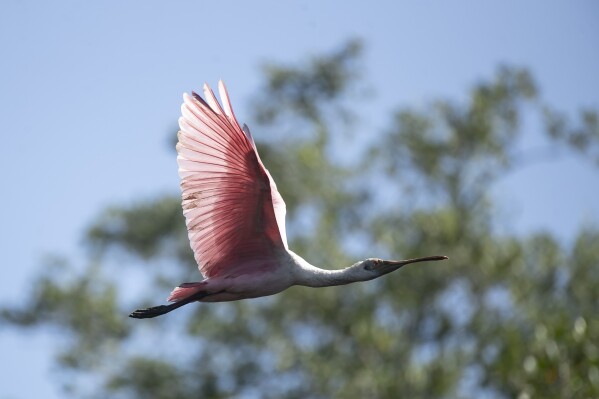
(234, 214)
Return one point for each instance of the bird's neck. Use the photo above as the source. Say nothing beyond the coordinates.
(312, 276)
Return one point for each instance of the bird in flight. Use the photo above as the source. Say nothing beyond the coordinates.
(235, 216)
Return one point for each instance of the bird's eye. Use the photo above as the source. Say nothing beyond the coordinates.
(371, 264)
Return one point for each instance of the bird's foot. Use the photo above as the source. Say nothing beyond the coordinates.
(151, 312)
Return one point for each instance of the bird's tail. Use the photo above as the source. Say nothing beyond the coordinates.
(185, 290)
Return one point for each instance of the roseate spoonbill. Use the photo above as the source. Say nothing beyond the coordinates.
(236, 217)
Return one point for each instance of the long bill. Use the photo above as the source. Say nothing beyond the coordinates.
(387, 266)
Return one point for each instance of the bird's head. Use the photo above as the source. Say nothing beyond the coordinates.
(371, 268)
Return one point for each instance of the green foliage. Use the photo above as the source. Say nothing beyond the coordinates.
(508, 316)
(583, 138)
(145, 229)
(307, 92)
(82, 304)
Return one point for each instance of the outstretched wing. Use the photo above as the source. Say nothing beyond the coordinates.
(234, 214)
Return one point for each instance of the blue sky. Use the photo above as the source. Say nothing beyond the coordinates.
(90, 90)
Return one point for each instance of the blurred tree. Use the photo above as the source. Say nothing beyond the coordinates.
(506, 316)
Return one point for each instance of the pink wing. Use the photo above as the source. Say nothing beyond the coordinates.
(234, 214)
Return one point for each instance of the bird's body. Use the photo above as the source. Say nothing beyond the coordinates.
(251, 284)
(235, 216)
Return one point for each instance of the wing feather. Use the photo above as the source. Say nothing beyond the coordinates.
(234, 214)
(211, 99)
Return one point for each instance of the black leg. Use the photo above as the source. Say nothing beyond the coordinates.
(153, 311)
(163, 309)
